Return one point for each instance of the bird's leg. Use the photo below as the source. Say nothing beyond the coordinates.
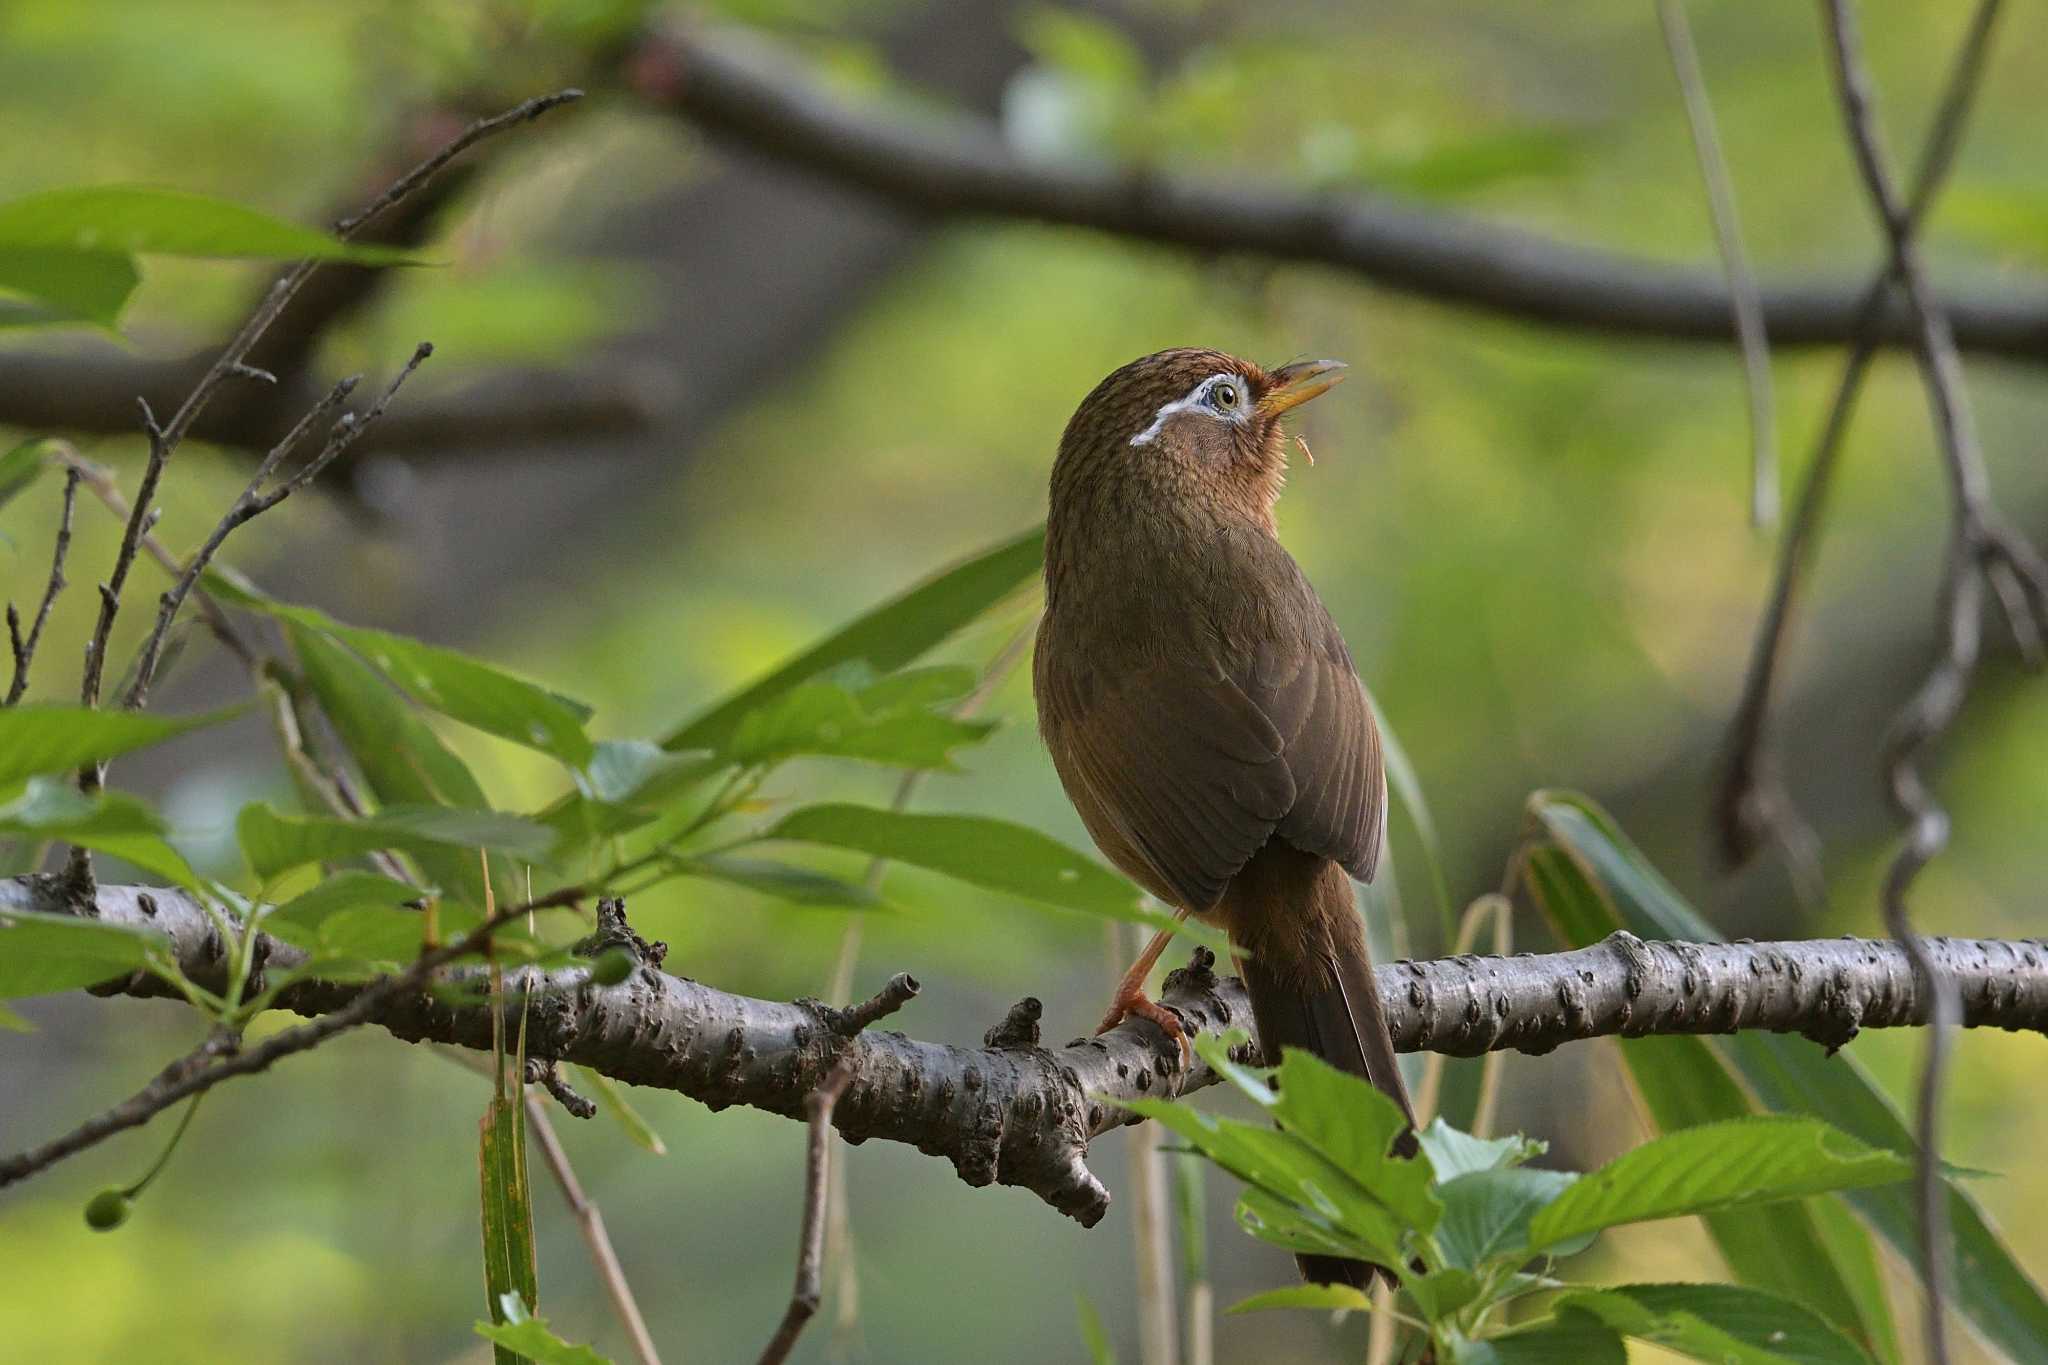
(1130, 997)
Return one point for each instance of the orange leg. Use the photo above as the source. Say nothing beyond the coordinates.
(1130, 997)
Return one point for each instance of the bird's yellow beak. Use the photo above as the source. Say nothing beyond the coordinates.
(1295, 384)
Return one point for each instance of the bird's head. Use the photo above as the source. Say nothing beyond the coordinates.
(1190, 421)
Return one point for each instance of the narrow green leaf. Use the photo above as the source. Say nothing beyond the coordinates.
(798, 885)
(21, 467)
(111, 822)
(1795, 1075)
(611, 1097)
(275, 843)
(135, 219)
(509, 1265)
(1755, 1160)
(1355, 1126)
(1487, 1214)
(299, 920)
(442, 680)
(1190, 1209)
(982, 852)
(42, 954)
(886, 638)
(1573, 1339)
(1092, 1335)
(1326, 1297)
(885, 722)
(1723, 1324)
(65, 286)
(46, 737)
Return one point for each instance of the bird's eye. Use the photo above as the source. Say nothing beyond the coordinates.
(1225, 396)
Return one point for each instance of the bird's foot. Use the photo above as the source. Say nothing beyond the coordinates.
(1134, 1001)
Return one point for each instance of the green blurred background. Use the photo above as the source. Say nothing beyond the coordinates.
(1536, 543)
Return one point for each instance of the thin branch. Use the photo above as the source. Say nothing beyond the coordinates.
(25, 649)
(590, 1221)
(1975, 545)
(803, 1299)
(962, 166)
(1744, 303)
(1018, 1113)
(1751, 803)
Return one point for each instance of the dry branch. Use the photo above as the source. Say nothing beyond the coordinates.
(1015, 1112)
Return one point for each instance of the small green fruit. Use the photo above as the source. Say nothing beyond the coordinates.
(612, 966)
(108, 1210)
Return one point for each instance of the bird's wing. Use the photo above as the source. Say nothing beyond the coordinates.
(1195, 771)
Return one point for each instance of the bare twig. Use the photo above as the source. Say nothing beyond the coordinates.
(590, 1221)
(803, 1299)
(1744, 302)
(1017, 1113)
(1977, 544)
(962, 166)
(1751, 803)
(25, 648)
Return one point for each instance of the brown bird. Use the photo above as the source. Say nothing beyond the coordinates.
(1201, 708)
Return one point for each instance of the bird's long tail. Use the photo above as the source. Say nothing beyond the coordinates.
(1309, 974)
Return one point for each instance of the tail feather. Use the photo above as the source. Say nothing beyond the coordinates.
(1310, 979)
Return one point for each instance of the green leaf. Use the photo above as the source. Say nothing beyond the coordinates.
(510, 1274)
(65, 286)
(42, 954)
(610, 1097)
(530, 1338)
(1354, 1125)
(1453, 1153)
(1573, 1339)
(1190, 1220)
(442, 680)
(1270, 1218)
(1287, 1167)
(134, 219)
(981, 852)
(110, 822)
(1327, 1297)
(276, 843)
(1792, 1074)
(798, 885)
(1092, 1335)
(299, 920)
(884, 639)
(21, 467)
(885, 722)
(1755, 1160)
(1441, 1293)
(13, 1022)
(1723, 1324)
(45, 737)
(373, 933)
(1487, 1214)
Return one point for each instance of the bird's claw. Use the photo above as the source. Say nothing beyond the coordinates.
(1144, 1007)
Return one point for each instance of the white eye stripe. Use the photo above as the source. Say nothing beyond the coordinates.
(1195, 400)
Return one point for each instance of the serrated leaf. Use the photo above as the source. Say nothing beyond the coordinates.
(275, 843)
(299, 920)
(442, 680)
(136, 219)
(884, 639)
(530, 1338)
(111, 822)
(1453, 1152)
(784, 881)
(41, 954)
(1325, 1297)
(1487, 1214)
(982, 852)
(1354, 1125)
(1755, 1160)
(1723, 1324)
(47, 737)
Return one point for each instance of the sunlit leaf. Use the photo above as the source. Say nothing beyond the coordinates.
(276, 843)
(1575, 1339)
(1326, 1297)
(46, 737)
(1755, 1160)
(1723, 1324)
(41, 954)
(1354, 1125)
(299, 920)
(1453, 1153)
(886, 638)
(135, 219)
